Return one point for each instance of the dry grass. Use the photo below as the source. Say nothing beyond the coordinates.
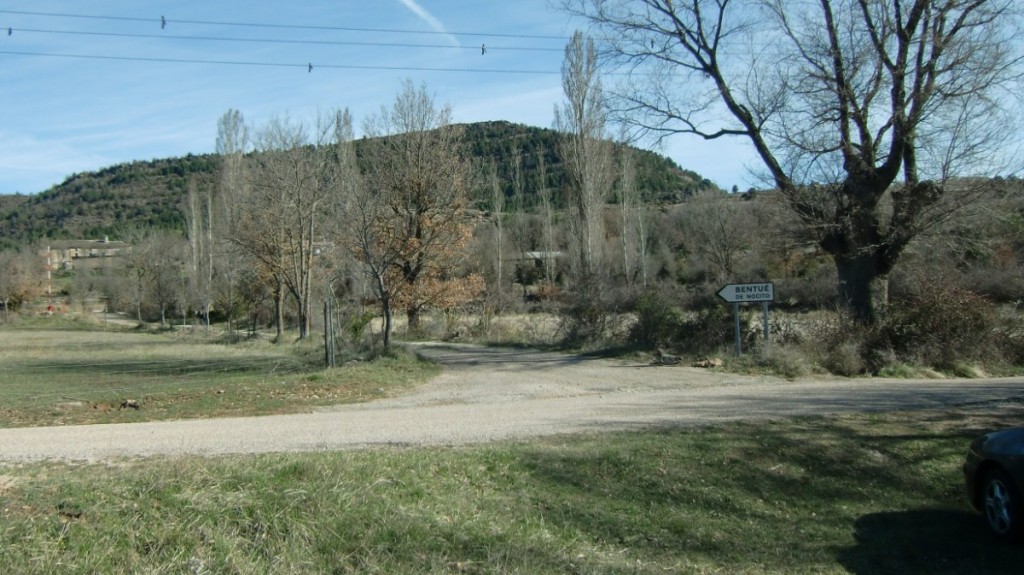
(58, 377)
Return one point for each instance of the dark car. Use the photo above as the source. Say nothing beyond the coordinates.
(994, 472)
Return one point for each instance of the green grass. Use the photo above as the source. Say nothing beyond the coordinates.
(877, 493)
(61, 377)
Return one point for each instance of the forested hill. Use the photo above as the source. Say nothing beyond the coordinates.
(659, 179)
(145, 195)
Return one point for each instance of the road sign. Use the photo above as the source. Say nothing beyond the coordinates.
(742, 293)
(739, 293)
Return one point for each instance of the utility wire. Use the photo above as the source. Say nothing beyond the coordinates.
(305, 65)
(168, 21)
(277, 41)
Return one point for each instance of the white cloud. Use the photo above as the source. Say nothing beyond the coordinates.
(429, 19)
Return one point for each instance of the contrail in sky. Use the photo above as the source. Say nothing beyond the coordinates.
(429, 18)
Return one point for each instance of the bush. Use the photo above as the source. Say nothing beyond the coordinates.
(357, 324)
(585, 315)
(814, 290)
(657, 321)
(939, 324)
(780, 360)
(706, 332)
(933, 323)
(784, 361)
(1009, 335)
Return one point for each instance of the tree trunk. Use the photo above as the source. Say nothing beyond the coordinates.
(386, 309)
(413, 315)
(231, 304)
(863, 286)
(305, 318)
(279, 308)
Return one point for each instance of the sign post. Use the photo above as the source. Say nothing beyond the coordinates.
(763, 293)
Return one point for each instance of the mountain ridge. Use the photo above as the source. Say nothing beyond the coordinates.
(148, 194)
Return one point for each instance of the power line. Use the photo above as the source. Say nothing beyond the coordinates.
(304, 65)
(278, 41)
(168, 21)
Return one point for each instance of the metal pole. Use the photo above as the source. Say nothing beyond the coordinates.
(736, 321)
(766, 339)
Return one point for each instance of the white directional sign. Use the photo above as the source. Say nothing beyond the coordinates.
(738, 293)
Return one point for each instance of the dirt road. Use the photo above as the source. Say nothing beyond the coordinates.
(489, 394)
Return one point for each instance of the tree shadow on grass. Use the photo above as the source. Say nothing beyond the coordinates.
(784, 496)
(934, 541)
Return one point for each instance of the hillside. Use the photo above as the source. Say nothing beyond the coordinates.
(109, 202)
(659, 178)
(149, 194)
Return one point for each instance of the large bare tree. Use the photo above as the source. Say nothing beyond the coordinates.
(411, 218)
(866, 114)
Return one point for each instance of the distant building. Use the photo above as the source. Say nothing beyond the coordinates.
(82, 254)
(539, 257)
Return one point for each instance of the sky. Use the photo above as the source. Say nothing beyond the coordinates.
(93, 83)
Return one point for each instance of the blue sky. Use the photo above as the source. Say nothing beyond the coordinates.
(89, 84)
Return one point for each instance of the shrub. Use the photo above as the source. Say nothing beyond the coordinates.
(657, 321)
(837, 343)
(1009, 335)
(708, 331)
(357, 324)
(845, 359)
(781, 360)
(939, 324)
(784, 361)
(585, 315)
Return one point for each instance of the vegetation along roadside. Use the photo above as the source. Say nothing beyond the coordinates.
(879, 493)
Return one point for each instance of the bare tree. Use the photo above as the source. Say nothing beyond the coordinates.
(160, 261)
(547, 210)
(127, 285)
(523, 232)
(21, 278)
(257, 227)
(232, 145)
(587, 153)
(199, 233)
(292, 182)
(632, 219)
(717, 230)
(862, 111)
(412, 222)
(498, 215)
(368, 241)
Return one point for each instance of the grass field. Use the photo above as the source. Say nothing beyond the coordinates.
(873, 493)
(858, 494)
(70, 376)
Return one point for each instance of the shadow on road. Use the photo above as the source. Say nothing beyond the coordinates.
(455, 356)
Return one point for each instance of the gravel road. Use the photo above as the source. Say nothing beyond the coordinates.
(487, 394)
